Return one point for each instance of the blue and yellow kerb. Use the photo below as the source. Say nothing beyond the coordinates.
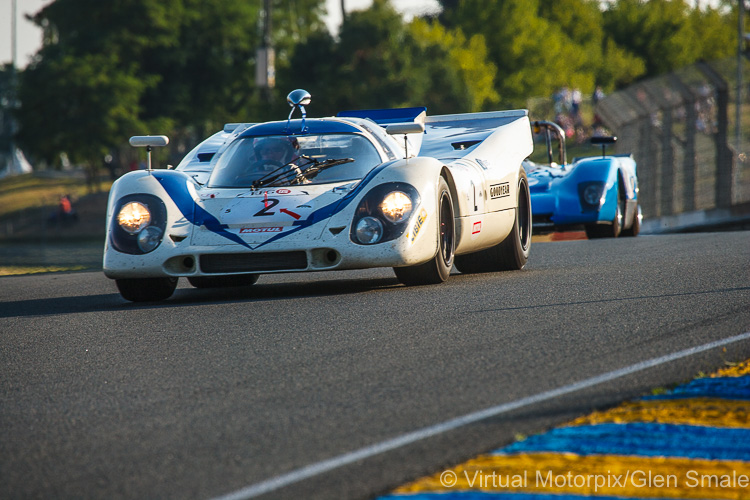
(692, 442)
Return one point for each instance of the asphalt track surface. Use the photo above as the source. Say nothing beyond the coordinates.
(272, 387)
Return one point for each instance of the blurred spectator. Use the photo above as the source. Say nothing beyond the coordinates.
(575, 102)
(65, 215)
(597, 96)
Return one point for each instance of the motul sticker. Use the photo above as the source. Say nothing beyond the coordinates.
(246, 230)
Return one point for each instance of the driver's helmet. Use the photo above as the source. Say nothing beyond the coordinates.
(281, 150)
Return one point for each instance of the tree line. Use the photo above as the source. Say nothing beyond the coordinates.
(109, 70)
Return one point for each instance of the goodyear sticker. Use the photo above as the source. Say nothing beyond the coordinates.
(499, 190)
(421, 218)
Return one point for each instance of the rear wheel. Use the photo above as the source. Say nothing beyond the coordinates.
(438, 269)
(513, 252)
(146, 289)
(223, 281)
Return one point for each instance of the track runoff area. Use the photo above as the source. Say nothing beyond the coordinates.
(691, 442)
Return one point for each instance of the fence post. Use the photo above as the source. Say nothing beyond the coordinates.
(724, 156)
(647, 157)
(689, 164)
(668, 166)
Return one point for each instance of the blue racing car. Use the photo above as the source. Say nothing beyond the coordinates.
(598, 193)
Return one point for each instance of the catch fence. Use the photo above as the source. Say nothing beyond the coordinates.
(689, 134)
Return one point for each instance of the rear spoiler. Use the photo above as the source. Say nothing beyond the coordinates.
(396, 121)
(385, 117)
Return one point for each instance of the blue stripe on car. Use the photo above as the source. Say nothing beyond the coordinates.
(329, 210)
(176, 187)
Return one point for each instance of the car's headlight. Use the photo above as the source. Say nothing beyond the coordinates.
(138, 224)
(591, 193)
(133, 217)
(384, 213)
(396, 206)
(149, 238)
(369, 230)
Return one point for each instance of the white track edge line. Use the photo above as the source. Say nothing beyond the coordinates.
(315, 469)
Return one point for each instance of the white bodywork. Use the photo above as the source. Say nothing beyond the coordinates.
(219, 231)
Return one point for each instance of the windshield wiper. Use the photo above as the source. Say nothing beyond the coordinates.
(311, 171)
(280, 173)
(294, 174)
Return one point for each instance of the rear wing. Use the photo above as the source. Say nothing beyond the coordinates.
(449, 137)
(409, 122)
(384, 117)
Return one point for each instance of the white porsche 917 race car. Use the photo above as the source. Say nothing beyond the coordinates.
(373, 188)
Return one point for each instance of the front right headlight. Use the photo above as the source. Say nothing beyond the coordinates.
(133, 217)
(138, 224)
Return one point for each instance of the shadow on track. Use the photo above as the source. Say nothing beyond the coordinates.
(193, 296)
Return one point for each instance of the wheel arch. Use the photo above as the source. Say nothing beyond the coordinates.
(446, 174)
(621, 184)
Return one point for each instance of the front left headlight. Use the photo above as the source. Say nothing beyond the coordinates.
(138, 224)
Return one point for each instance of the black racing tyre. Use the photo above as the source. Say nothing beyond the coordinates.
(613, 230)
(146, 289)
(439, 267)
(635, 228)
(223, 281)
(513, 252)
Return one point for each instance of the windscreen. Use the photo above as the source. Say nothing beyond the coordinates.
(290, 160)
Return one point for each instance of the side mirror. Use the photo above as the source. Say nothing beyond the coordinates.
(604, 140)
(148, 142)
(298, 99)
(404, 128)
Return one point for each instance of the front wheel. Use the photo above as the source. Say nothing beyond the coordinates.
(438, 269)
(635, 229)
(613, 230)
(146, 289)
